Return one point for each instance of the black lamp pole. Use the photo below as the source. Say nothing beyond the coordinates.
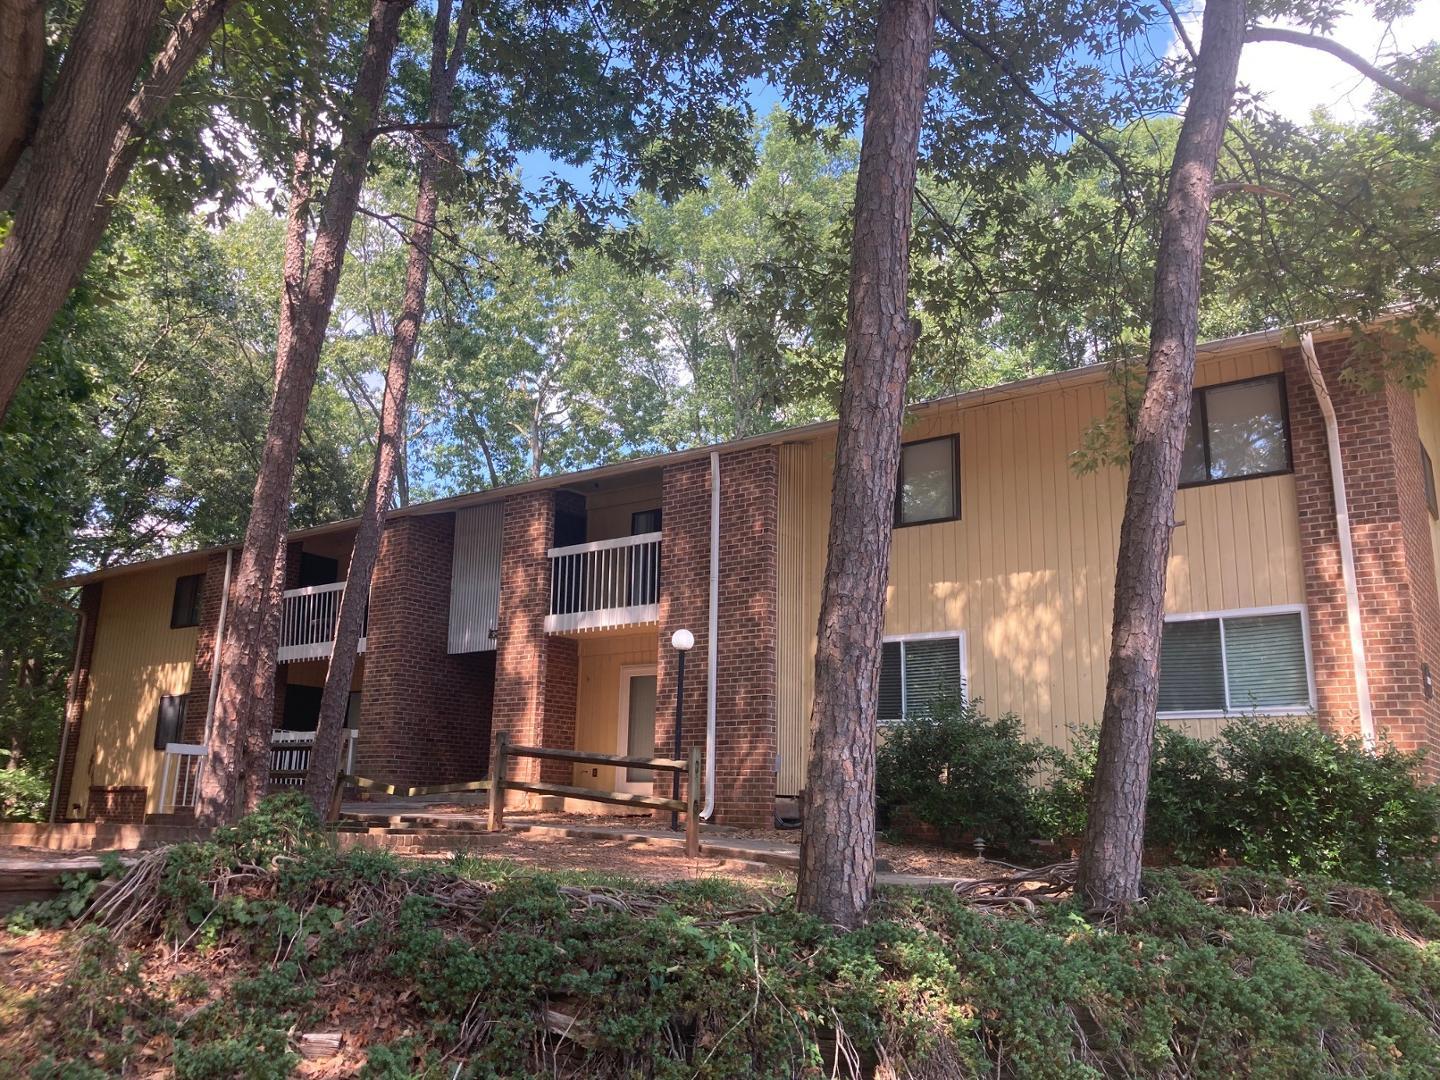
(679, 723)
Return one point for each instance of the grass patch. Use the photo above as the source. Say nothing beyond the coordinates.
(211, 959)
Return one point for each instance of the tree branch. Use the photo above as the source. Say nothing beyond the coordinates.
(1180, 31)
(1249, 189)
(1396, 86)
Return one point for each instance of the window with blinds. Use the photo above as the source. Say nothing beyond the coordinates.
(917, 674)
(1234, 663)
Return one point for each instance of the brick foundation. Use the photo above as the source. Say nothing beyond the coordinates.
(1379, 445)
(89, 610)
(117, 805)
(745, 715)
(537, 674)
(425, 712)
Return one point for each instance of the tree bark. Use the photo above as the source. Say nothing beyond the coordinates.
(837, 845)
(22, 67)
(1114, 838)
(305, 313)
(444, 67)
(70, 152)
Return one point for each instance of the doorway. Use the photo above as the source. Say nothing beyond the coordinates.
(638, 685)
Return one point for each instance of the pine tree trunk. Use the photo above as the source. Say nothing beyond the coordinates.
(22, 29)
(837, 846)
(1115, 831)
(325, 755)
(69, 155)
(305, 315)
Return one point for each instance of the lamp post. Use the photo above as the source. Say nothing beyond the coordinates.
(682, 641)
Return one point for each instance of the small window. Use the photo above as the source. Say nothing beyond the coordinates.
(1237, 430)
(644, 521)
(1234, 663)
(929, 484)
(1427, 470)
(185, 607)
(170, 720)
(917, 674)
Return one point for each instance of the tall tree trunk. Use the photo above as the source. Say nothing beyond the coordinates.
(70, 152)
(1115, 831)
(248, 646)
(444, 67)
(22, 68)
(837, 844)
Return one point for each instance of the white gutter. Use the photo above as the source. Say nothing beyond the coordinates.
(1347, 548)
(712, 642)
(65, 725)
(215, 652)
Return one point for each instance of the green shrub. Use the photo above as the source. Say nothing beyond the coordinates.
(24, 792)
(1299, 800)
(960, 771)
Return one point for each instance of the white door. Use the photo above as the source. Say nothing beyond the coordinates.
(637, 725)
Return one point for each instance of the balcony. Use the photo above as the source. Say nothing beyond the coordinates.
(307, 623)
(604, 584)
(290, 755)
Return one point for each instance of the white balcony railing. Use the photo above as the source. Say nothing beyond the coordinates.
(180, 776)
(605, 583)
(307, 623)
(290, 755)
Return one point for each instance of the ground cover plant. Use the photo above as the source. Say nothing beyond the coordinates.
(212, 960)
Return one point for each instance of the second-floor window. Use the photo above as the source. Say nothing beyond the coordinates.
(185, 605)
(1236, 430)
(929, 485)
(918, 673)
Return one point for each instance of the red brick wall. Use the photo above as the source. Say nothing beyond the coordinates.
(1394, 564)
(89, 609)
(199, 699)
(536, 674)
(425, 714)
(117, 805)
(748, 626)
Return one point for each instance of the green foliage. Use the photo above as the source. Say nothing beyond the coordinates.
(958, 770)
(1220, 974)
(24, 792)
(1281, 796)
(76, 892)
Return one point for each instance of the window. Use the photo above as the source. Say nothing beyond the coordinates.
(1236, 430)
(185, 607)
(170, 720)
(929, 486)
(1427, 469)
(1240, 662)
(644, 521)
(917, 673)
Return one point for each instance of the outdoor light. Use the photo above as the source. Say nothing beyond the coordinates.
(682, 641)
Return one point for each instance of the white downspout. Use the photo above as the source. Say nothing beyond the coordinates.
(1347, 548)
(215, 653)
(712, 642)
(65, 725)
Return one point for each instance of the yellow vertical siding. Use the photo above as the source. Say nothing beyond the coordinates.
(1028, 571)
(597, 703)
(1427, 417)
(137, 660)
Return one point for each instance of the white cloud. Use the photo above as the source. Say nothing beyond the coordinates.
(1294, 81)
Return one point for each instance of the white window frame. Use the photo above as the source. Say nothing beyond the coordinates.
(1241, 613)
(929, 635)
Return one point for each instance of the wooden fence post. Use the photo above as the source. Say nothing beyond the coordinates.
(497, 782)
(692, 801)
(332, 812)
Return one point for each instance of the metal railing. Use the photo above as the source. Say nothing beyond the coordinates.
(180, 776)
(605, 583)
(290, 755)
(307, 622)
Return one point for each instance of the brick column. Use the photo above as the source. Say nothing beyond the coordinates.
(425, 715)
(748, 625)
(89, 610)
(1395, 569)
(199, 696)
(537, 674)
